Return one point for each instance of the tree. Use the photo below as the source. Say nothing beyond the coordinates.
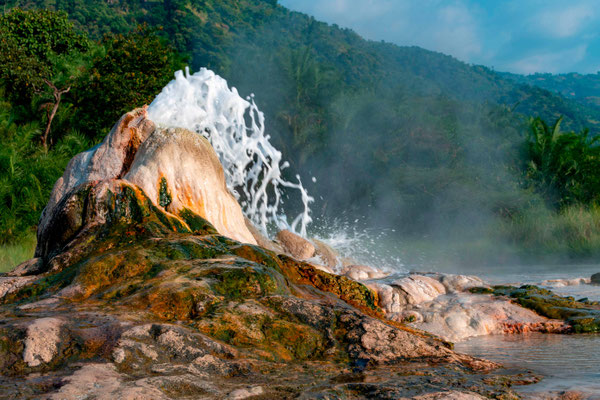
(563, 166)
(129, 73)
(40, 56)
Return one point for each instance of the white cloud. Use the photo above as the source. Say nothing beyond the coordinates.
(550, 61)
(456, 32)
(354, 10)
(564, 22)
(511, 35)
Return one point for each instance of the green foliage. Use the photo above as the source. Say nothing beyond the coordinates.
(563, 166)
(27, 173)
(36, 46)
(12, 255)
(539, 233)
(128, 74)
(584, 89)
(411, 139)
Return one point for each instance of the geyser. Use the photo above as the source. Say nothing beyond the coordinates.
(203, 103)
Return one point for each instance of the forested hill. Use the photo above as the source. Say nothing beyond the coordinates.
(228, 36)
(583, 88)
(405, 137)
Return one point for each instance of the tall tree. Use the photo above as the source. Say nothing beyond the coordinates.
(40, 56)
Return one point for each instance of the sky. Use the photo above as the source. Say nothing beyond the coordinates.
(520, 36)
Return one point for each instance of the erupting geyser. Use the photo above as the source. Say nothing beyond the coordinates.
(203, 103)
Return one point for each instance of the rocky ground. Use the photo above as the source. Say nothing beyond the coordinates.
(134, 294)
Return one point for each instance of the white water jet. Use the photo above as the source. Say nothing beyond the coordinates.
(203, 103)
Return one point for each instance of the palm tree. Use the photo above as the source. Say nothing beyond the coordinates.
(561, 162)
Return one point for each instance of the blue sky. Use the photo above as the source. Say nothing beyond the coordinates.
(522, 36)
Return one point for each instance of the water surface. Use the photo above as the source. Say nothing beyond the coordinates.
(567, 362)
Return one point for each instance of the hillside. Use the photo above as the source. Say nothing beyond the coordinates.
(583, 88)
(410, 139)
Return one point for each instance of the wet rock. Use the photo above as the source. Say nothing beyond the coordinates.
(582, 317)
(391, 299)
(167, 166)
(295, 245)
(451, 395)
(363, 272)
(109, 160)
(10, 285)
(43, 340)
(326, 254)
(261, 239)
(240, 394)
(459, 283)
(32, 266)
(323, 268)
(459, 316)
(419, 288)
(374, 342)
(103, 382)
(566, 282)
(595, 279)
(176, 348)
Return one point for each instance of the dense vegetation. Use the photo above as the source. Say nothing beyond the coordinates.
(407, 138)
(583, 88)
(60, 93)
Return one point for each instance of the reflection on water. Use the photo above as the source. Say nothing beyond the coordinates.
(568, 362)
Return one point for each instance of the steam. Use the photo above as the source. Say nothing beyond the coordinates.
(203, 103)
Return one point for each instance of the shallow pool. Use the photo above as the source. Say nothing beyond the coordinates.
(567, 362)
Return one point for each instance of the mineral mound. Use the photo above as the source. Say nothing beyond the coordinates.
(148, 284)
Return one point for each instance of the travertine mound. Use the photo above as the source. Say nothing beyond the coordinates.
(143, 304)
(443, 305)
(177, 169)
(138, 296)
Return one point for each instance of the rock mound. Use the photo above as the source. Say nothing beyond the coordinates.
(177, 169)
(143, 297)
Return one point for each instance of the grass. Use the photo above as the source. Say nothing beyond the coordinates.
(538, 235)
(12, 255)
(574, 232)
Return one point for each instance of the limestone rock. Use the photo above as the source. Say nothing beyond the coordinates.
(419, 288)
(42, 341)
(11, 284)
(108, 160)
(460, 316)
(363, 272)
(326, 254)
(175, 347)
(261, 239)
(141, 297)
(240, 394)
(567, 282)
(32, 266)
(296, 246)
(103, 382)
(177, 169)
(451, 395)
(459, 283)
(391, 300)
